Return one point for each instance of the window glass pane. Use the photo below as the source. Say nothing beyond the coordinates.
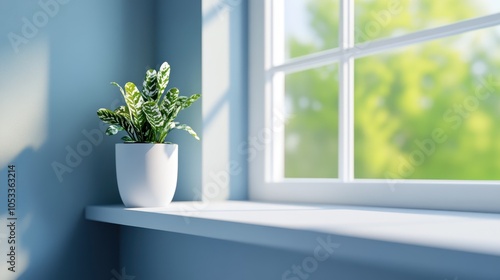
(310, 26)
(311, 128)
(430, 111)
(376, 19)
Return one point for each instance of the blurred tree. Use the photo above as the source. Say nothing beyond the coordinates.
(403, 97)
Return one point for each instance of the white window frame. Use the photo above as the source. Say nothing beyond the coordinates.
(266, 128)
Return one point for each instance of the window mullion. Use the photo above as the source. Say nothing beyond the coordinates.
(277, 156)
(346, 92)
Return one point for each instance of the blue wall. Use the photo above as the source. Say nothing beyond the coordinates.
(178, 41)
(53, 78)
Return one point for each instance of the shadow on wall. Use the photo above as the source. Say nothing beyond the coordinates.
(178, 41)
(58, 58)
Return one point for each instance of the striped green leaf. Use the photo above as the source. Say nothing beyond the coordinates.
(172, 95)
(172, 112)
(149, 87)
(122, 110)
(127, 138)
(188, 129)
(149, 135)
(153, 114)
(134, 102)
(181, 99)
(163, 77)
(113, 129)
(170, 126)
(189, 101)
(169, 101)
(166, 130)
(108, 116)
(113, 118)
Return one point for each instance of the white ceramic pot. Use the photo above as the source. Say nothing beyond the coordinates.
(146, 173)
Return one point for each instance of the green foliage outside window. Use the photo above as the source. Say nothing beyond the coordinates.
(425, 111)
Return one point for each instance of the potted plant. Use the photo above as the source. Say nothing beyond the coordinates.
(146, 166)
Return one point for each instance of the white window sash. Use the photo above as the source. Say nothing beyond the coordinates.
(266, 156)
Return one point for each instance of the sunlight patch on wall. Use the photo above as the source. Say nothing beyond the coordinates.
(24, 82)
(216, 78)
(216, 81)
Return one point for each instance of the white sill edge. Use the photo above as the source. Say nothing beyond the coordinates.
(298, 227)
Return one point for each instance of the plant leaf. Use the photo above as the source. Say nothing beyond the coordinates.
(166, 130)
(127, 138)
(188, 129)
(113, 129)
(122, 110)
(189, 101)
(170, 126)
(163, 77)
(172, 95)
(174, 112)
(134, 102)
(167, 99)
(113, 118)
(149, 87)
(121, 89)
(153, 114)
(108, 116)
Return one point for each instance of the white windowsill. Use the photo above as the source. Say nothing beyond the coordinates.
(406, 239)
